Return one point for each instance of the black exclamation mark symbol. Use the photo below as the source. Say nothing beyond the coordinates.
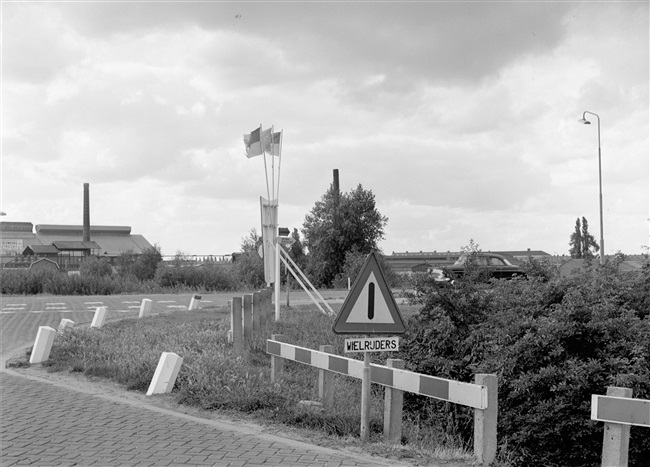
(371, 300)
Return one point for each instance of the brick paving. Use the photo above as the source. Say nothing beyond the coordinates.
(47, 423)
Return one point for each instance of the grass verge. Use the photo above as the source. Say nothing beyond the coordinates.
(213, 378)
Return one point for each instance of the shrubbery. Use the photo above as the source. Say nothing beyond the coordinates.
(552, 342)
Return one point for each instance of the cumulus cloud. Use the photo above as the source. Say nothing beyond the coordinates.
(460, 116)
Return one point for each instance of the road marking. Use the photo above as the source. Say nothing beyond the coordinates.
(55, 304)
(129, 302)
(166, 301)
(93, 303)
(177, 306)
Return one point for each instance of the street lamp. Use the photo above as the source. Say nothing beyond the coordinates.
(600, 183)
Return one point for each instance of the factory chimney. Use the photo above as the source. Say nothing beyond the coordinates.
(86, 226)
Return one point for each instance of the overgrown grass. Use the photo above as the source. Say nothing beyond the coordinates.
(212, 377)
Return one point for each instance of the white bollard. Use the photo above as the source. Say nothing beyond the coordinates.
(165, 375)
(145, 307)
(99, 318)
(42, 345)
(65, 323)
(194, 303)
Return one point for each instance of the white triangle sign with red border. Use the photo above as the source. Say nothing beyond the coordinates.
(370, 307)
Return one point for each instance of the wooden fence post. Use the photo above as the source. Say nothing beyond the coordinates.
(262, 295)
(393, 403)
(325, 378)
(257, 324)
(616, 436)
(485, 421)
(236, 325)
(277, 363)
(247, 315)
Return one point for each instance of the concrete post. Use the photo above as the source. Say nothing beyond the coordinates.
(42, 344)
(616, 436)
(277, 363)
(485, 421)
(393, 404)
(64, 324)
(195, 302)
(166, 372)
(247, 315)
(236, 325)
(145, 307)
(100, 317)
(325, 379)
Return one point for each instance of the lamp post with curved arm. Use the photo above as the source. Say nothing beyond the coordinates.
(600, 184)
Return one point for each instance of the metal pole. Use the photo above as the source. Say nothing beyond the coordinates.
(600, 186)
(600, 194)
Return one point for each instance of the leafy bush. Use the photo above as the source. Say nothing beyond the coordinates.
(93, 266)
(206, 278)
(552, 342)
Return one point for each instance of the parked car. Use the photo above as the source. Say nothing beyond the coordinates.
(500, 266)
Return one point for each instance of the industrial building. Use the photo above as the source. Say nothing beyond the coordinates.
(22, 244)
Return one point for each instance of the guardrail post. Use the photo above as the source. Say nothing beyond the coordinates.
(325, 378)
(616, 436)
(247, 315)
(485, 421)
(236, 325)
(393, 403)
(277, 363)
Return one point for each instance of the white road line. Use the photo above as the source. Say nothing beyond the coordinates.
(129, 302)
(166, 301)
(133, 306)
(55, 304)
(176, 306)
(15, 304)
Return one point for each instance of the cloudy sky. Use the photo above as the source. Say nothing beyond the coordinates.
(462, 117)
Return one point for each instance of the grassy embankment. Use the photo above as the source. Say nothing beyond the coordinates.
(213, 378)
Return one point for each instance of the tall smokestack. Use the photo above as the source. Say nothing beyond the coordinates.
(86, 227)
(335, 184)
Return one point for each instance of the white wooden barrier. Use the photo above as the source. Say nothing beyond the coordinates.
(166, 372)
(100, 317)
(145, 307)
(619, 411)
(42, 344)
(481, 397)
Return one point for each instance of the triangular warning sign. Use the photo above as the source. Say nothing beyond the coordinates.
(370, 307)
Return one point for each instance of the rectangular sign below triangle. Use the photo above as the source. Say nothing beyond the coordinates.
(370, 307)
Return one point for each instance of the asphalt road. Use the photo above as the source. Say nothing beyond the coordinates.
(21, 316)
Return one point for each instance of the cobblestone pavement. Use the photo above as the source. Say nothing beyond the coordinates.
(49, 423)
